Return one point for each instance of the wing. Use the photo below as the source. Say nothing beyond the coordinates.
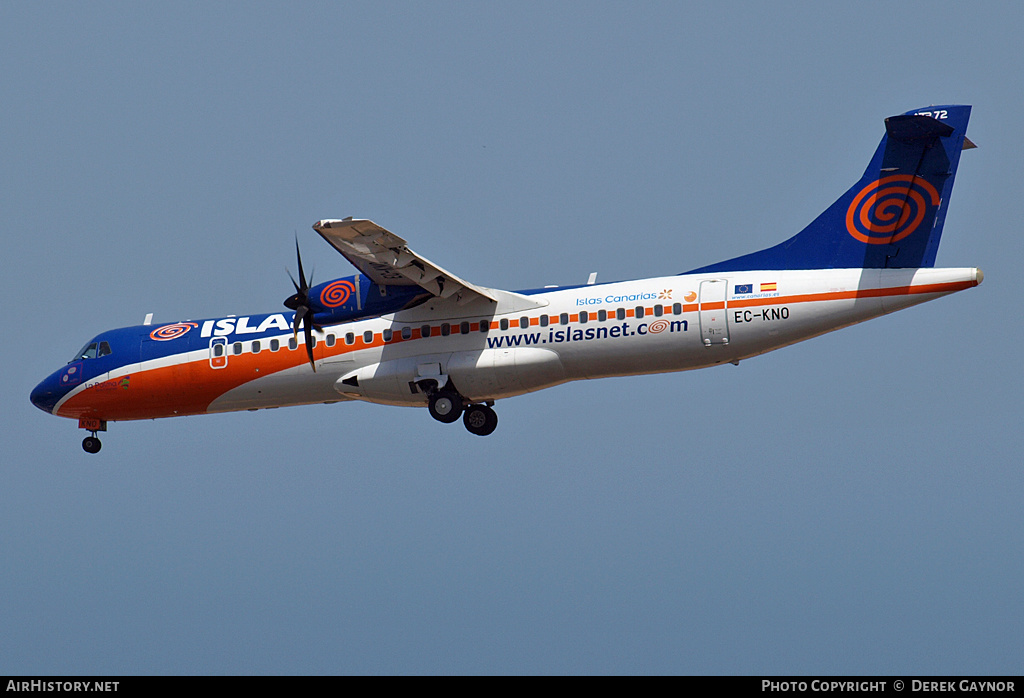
(387, 260)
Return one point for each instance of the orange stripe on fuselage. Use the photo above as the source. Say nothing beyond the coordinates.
(858, 293)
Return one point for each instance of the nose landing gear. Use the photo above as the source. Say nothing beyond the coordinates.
(92, 444)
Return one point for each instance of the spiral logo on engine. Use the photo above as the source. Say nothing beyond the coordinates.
(168, 332)
(657, 326)
(337, 293)
(890, 209)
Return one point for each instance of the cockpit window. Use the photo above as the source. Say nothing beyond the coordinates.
(93, 350)
(87, 352)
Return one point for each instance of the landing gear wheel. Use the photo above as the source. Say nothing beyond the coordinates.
(91, 444)
(480, 420)
(445, 407)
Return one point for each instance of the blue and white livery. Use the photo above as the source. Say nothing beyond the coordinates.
(404, 331)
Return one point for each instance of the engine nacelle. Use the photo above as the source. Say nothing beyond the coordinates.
(356, 297)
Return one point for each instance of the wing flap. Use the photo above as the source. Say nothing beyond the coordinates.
(387, 260)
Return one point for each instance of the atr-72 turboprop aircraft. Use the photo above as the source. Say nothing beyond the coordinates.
(404, 331)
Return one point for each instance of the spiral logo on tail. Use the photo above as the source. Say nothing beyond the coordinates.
(657, 326)
(168, 332)
(890, 209)
(337, 293)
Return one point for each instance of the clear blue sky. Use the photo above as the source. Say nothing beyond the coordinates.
(851, 504)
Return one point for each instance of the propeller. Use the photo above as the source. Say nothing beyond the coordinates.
(299, 302)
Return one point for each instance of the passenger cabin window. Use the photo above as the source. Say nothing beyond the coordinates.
(274, 345)
(446, 329)
(331, 339)
(388, 335)
(639, 311)
(293, 344)
(584, 316)
(524, 323)
(543, 320)
(368, 337)
(504, 323)
(350, 338)
(658, 310)
(677, 308)
(620, 313)
(256, 346)
(425, 331)
(464, 327)
(602, 315)
(564, 318)
(236, 348)
(406, 333)
(218, 350)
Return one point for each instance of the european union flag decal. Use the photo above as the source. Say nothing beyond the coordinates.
(743, 288)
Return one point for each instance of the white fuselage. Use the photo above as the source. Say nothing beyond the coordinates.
(672, 323)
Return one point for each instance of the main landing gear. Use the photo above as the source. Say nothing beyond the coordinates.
(447, 405)
(480, 419)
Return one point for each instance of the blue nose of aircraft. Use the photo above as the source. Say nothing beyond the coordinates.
(45, 395)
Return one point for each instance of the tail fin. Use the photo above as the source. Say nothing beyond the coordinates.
(893, 216)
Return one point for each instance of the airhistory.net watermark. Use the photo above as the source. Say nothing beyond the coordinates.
(62, 686)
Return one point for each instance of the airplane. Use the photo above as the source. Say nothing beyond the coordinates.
(404, 331)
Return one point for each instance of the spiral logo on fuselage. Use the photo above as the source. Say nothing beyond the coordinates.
(657, 327)
(337, 293)
(890, 209)
(168, 332)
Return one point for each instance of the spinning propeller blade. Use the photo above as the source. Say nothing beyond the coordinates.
(299, 302)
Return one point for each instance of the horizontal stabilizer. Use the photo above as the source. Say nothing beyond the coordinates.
(911, 127)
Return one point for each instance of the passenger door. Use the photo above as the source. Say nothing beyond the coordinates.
(714, 327)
